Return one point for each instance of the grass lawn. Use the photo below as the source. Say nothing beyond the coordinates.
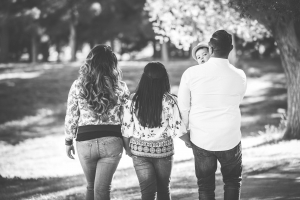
(33, 164)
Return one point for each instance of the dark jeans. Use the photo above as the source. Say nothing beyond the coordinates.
(231, 168)
(99, 159)
(154, 176)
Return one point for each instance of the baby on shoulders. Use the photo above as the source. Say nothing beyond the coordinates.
(201, 53)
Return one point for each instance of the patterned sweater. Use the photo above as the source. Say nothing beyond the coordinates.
(153, 142)
(78, 113)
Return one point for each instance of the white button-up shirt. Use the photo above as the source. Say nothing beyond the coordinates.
(209, 97)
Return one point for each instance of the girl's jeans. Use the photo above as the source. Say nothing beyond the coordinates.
(231, 168)
(154, 176)
(99, 159)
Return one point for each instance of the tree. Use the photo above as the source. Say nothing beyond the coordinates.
(185, 21)
(282, 19)
(4, 36)
(12, 13)
(122, 20)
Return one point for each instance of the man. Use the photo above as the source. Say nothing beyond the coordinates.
(209, 97)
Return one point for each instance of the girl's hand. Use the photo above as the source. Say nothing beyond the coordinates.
(128, 153)
(69, 150)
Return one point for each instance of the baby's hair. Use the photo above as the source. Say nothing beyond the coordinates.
(201, 48)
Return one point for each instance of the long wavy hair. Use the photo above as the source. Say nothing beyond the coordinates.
(99, 77)
(148, 98)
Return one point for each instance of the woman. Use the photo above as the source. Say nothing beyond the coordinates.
(93, 118)
(150, 122)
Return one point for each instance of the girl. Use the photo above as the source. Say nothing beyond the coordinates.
(93, 118)
(151, 121)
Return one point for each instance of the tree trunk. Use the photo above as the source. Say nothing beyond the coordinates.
(4, 43)
(72, 41)
(34, 51)
(164, 52)
(112, 44)
(288, 44)
(233, 55)
(155, 55)
(58, 49)
(44, 49)
(285, 31)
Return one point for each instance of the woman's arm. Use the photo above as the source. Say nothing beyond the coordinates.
(126, 146)
(177, 123)
(127, 126)
(71, 120)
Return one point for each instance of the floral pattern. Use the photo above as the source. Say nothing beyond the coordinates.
(78, 113)
(171, 125)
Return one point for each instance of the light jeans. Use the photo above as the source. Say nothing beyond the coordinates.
(99, 159)
(154, 176)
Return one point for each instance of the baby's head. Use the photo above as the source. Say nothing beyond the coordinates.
(201, 53)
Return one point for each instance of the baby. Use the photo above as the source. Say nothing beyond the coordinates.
(201, 53)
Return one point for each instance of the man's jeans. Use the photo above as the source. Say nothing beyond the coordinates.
(154, 176)
(231, 168)
(99, 159)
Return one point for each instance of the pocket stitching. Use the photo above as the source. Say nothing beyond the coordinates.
(120, 143)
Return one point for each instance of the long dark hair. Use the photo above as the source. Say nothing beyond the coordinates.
(99, 77)
(154, 84)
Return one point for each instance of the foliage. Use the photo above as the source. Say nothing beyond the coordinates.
(187, 21)
(278, 9)
(95, 21)
(17, 22)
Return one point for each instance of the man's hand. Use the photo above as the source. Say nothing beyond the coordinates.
(188, 144)
(186, 139)
(69, 150)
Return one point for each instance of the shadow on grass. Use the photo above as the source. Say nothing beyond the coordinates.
(270, 188)
(263, 111)
(259, 67)
(16, 188)
(46, 121)
(23, 97)
(259, 184)
(124, 186)
(31, 107)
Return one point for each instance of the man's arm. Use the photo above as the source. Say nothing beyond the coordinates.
(244, 84)
(184, 98)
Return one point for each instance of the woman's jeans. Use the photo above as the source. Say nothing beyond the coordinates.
(231, 168)
(99, 159)
(154, 176)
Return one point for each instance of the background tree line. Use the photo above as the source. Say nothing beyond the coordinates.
(31, 27)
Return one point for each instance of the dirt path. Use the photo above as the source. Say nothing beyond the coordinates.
(282, 183)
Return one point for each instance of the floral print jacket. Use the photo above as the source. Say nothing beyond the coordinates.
(78, 113)
(171, 124)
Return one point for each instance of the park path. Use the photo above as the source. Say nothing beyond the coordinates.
(275, 184)
(271, 171)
